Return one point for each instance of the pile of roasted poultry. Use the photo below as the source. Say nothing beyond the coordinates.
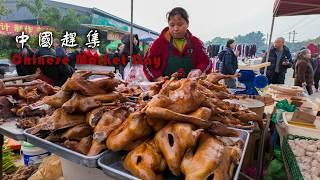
(19, 100)
(180, 125)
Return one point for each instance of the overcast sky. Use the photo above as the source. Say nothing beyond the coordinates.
(211, 18)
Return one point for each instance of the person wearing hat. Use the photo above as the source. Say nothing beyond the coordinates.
(179, 51)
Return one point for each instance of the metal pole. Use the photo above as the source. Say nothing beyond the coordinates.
(131, 31)
(269, 45)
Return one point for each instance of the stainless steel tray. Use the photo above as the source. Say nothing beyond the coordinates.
(10, 130)
(111, 163)
(87, 161)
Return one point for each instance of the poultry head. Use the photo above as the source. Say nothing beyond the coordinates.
(213, 87)
(109, 121)
(216, 77)
(146, 161)
(130, 134)
(58, 120)
(82, 146)
(83, 104)
(5, 107)
(96, 148)
(77, 132)
(58, 99)
(214, 128)
(173, 140)
(231, 156)
(79, 82)
(207, 157)
(186, 99)
(94, 116)
(248, 116)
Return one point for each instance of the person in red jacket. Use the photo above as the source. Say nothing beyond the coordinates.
(178, 50)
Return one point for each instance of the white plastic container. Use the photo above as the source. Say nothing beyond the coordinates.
(301, 131)
(33, 155)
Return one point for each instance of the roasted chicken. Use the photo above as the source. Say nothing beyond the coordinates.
(130, 134)
(173, 140)
(207, 157)
(146, 161)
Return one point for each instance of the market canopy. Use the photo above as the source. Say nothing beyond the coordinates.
(296, 7)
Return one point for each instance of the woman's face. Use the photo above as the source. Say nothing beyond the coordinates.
(308, 55)
(178, 27)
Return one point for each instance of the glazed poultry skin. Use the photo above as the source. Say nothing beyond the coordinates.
(130, 134)
(202, 163)
(146, 161)
(173, 140)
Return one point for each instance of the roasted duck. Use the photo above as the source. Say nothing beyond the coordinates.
(130, 134)
(77, 132)
(173, 140)
(58, 99)
(146, 161)
(83, 104)
(58, 120)
(207, 157)
(82, 146)
(79, 82)
(213, 127)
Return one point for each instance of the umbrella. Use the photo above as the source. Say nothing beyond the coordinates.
(114, 44)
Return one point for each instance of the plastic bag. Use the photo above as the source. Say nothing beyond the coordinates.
(49, 169)
(134, 72)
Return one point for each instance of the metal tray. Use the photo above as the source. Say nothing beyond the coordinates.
(111, 163)
(87, 161)
(10, 130)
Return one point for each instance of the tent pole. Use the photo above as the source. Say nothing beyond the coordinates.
(269, 44)
(131, 31)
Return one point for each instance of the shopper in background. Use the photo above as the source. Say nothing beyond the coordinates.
(281, 60)
(60, 51)
(23, 68)
(73, 56)
(229, 63)
(317, 74)
(304, 71)
(124, 50)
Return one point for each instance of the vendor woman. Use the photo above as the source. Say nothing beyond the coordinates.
(178, 50)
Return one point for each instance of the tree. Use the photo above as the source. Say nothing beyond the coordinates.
(36, 8)
(52, 17)
(253, 37)
(72, 21)
(3, 10)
